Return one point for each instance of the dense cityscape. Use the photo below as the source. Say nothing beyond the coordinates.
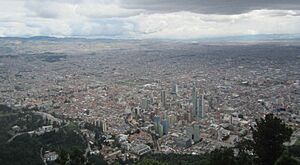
(150, 96)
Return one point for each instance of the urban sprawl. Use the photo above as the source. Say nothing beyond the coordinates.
(153, 96)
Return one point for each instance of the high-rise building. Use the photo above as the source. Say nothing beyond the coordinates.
(199, 110)
(165, 115)
(198, 104)
(172, 120)
(163, 98)
(160, 130)
(156, 127)
(193, 132)
(196, 133)
(174, 90)
(97, 123)
(165, 124)
(201, 107)
(156, 119)
(194, 101)
(190, 132)
(103, 125)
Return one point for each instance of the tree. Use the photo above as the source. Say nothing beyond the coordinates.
(77, 157)
(286, 159)
(245, 150)
(63, 157)
(222, 156)
(96, 160)
(268, 137)
(150, 162)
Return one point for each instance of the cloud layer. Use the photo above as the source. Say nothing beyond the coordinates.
(212, 6)
(147, 18)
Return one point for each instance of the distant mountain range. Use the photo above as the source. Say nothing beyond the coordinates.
(260, 37)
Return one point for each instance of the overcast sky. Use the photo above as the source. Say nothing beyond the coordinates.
(148, 18)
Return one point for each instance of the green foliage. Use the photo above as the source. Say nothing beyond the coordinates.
(63, 158)
(295, 150)
(244, 157)
(23, 150)
(72, 126)
(150, 162)
(64, 138)
(96, 160)
(268, 138)
(183, 159)
(287, 159)
(223, 156)
(76, 157)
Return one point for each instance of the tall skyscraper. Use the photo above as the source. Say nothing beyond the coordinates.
(190, 132)
(163, 98)
(160, 130)
(196, 133)
(198, 104)
(172, 119)
(194, 101)
(165, 124)
(103, 126)
(202, 105)
(174, 90)
(156, 119)
(199, 113)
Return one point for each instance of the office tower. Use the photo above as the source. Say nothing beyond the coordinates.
(98, 123)
(174, 90)
(202, 105)
(160, 130)
(165, 115)
(199, 114)
(194, 101)
(156, 119)
(151, 98)
(156, 127)
(172, 119)
(196, 133)
(103, 126)
(163, 98)
(199, 106)
(190, 132)
(165, 124)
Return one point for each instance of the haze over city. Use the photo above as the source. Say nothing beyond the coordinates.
(92, 82)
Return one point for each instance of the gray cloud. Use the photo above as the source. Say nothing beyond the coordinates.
(211, 6)
(148, 18)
